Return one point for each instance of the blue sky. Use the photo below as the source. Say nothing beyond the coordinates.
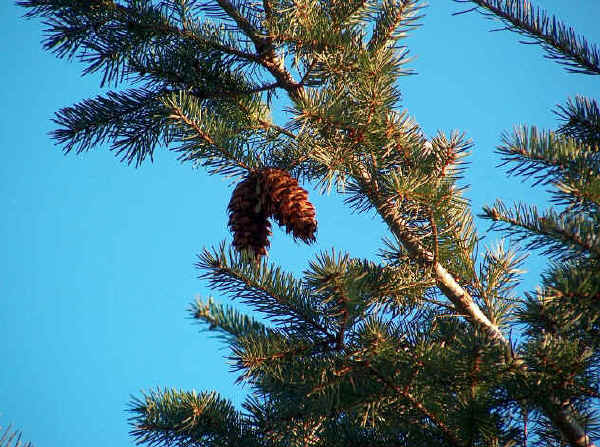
(97, 259)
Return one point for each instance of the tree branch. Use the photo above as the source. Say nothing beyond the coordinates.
(183, 33)
(244, 24)
(558, 39)
(180, 115)
(567, 425)
(461, 299)
(465, 304)
(448, 433)
(266, 55)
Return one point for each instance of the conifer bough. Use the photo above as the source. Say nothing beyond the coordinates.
(355, 352)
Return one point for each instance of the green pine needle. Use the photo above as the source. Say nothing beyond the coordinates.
(560, 41)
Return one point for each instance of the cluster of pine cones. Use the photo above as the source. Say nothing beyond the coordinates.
(269, 193)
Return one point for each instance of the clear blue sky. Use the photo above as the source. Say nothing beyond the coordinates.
(97, 258)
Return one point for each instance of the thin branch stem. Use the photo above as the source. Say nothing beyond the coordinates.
(459, 296)
(448, 433)
(167, 28)
(205, 136)
(280, 299)
(244, 24)
(434, 236)
(268, 124)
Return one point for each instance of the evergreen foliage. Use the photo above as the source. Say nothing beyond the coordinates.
(12, 438)
(560, 41)
(562, 317)
(412, 347)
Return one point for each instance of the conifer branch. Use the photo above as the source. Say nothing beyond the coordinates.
(568, 162)
(394, 17)
(170, 417)
(133, 121)
(400, 226)
(559, 40)
(111, 36)
(498, 275)
(269, 290)
(217, 137)
(467, 306)
(345, 310)
(268, 124)
(561, 236)
(268, 9)
(179, 114)
(581, 119)
(461, 299)
(547, 156)
(231, 323)
(233, 94)
(563, 419)
(260, 43)
(12, 438)
(202, 41)
(449, 434)
(265, 52)
(434, 237)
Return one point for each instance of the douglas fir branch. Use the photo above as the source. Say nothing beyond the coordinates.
(425, 343)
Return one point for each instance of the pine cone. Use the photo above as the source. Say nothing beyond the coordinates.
(248, 218)
(288, 203)
(269, 193)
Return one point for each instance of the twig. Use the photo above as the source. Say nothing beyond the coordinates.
(448, 433)
(203, 135)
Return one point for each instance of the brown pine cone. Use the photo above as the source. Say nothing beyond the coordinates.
(288, 203)
(269, 193)
(248, 219)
